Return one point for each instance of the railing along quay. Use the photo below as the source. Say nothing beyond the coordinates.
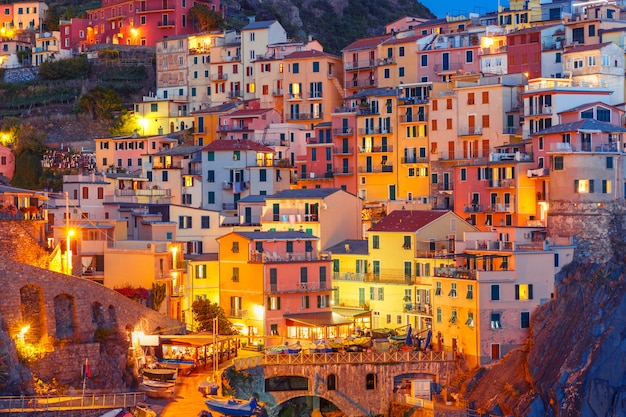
(349, 358)
(66, 402)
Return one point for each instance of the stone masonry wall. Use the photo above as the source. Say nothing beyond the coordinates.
(594, 227)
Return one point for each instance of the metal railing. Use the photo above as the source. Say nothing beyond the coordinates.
(24, 404)
(348, 358)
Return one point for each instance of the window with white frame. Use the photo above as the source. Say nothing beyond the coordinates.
(470, 319)
(452, 292)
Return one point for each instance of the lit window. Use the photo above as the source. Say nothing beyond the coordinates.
(524, 291)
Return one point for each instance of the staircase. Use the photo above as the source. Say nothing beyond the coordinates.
(338, 86)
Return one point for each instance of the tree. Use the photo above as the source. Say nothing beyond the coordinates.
(205, 19)
(29, 148)
(100, 103)
(204, 311)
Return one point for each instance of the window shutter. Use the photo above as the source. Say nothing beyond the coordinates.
(530, 291)
(576, 186)
(319, 301)
(278, 303)
(181, 222)
(269, 303)
(189, 222)
(517, 291)
(591, 186)
(371, 293)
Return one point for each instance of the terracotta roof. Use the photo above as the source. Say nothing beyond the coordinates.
(589, 105)
(234, 145)
(358, 247)
(407, 220)
(310, 54)
(403, 40)
(533, 29)
(583, 48)
(366, 43)
(264, 24)
(248, 112)
(303, 193)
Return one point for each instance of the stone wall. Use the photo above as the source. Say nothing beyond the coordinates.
(596, 227)
(23, 241)
(65, 363)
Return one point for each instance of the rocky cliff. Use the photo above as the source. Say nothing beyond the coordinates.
(574, 363)
(335, 23)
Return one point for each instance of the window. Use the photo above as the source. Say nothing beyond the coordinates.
(211, 197)
(469, 56)
(235, 277)
(524, 291)
(401, 72)
(557, 163)
(524, 319)
(235, 247)
(470, 292)
(495, 292)
(236, 155)
(495, 321)
(370, 381)
(453, 317)
(424, 60)
(375, 242)
(210, 156)
(210, 176)
(452, 293)
(273, 303)
(591, 61)
(387, 73)
(305, 302)
(438, 288)
(262, 175)
(463, 174)
(184, 222)
(316, 66)
(289, 248)
(592, 30)
(401, 51)
(439, 315)
(606, 186)
(205, 222)
(470, 319)
(485, 97)
(407, 242)
(295, 68)
(331, 382)
(583, 186)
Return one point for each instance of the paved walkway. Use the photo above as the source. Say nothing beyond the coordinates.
(186, 399)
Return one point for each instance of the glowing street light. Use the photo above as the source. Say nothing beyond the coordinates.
(21, 335)
(143, 123)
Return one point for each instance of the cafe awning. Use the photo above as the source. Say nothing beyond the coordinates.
(352, 313)
(322, 319)
(191, 340)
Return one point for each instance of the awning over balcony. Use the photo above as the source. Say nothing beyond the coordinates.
(352, 313)
(323, 319)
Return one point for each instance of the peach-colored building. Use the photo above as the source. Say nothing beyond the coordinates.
(276, 284)
(125, 153)
(240, 124)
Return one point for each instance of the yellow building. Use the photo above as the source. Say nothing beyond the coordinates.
(202, 283)
(391, 273)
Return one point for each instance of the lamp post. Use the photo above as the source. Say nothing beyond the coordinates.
(69, 233)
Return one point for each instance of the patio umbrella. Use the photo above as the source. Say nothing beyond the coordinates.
(429, 335)
(409, 336)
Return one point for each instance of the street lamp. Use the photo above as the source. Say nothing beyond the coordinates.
(143, 123)
(68, 253)
(174, 251)
(21, 335)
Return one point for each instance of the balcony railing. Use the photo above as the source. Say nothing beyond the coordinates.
(471, 131)
(344, 150)
(233, 128)
(143, 193)
(415, 308)
(305, 116)
(165, 24)
(301, 287)
(237, 312)
(234, 94)
(314, 176)
(508, 183)
(373, 82)
(278, 92)
(375, 149)
(413, 117)
(376, 169)
(342, 131)
(353, 65)
(375, 130)
(315, 94)
(413, 160)
(585, 147)
(536, 111)
(273, 257)
(219, 77)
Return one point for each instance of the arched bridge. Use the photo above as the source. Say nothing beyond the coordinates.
(358, 383)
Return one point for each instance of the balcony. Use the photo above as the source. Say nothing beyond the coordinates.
(354, 65)
(501, 208)
(444, 186)
(408, 101)
(278, 92)
(305, 116)
(315, 95)
(344, 150)
(142, 193)
(376, 149)
(375, 131)
(302, 287)
(452, 272)
(219, 77)
(343, 171)
(342, 131)
(414, 117)
(274, 257)
(175, 165)
(373, 82)
(419, 309)
(377, 169)
(316, 176)
(237, 313)
(471, 131)
(452, 66)
(492, 50)
(165, 24)
(413, 160)
(229, 206)
(234, 94)
(474, 208)
(386, 61)
(233, 128)
(397, 277)
(538, 111)
(585, 147)
(507, 183)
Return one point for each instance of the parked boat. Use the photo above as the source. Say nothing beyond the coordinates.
(184, 366)
(160, 374)
(234, 407)
(286, 348)
(157, 384)
(155, 391)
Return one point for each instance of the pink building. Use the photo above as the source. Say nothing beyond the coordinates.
(7, 163)
(142, 23)
(240, 124)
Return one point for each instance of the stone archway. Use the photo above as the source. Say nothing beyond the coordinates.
(65, 317)
(112, 315)
(33, 312)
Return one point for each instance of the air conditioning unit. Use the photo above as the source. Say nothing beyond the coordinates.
(312, 174)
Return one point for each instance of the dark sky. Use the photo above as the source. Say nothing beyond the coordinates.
(462, 7)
